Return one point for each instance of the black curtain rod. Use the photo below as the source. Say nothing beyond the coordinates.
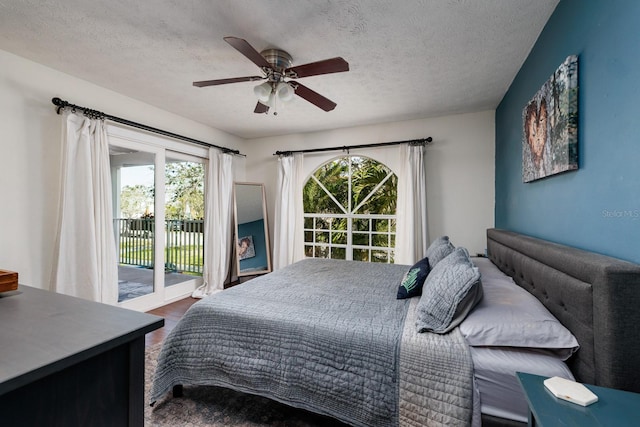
(100, 115)
(425, 141)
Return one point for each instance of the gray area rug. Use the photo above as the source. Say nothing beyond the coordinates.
(216, 406)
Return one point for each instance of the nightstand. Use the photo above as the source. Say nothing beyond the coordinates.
(613, 408)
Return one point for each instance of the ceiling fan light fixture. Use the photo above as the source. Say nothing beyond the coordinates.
(284, 91)
(263, 92)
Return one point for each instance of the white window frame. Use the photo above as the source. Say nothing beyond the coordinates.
(348, 213)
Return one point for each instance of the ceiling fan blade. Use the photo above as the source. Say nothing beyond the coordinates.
(261, 108)
(226, 81)
(313, 97)
(328, 66)
(242, 46)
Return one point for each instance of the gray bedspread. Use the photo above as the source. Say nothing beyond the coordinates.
(436, 386)
(268, 336)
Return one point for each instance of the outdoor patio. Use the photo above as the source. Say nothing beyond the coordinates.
(134, 281)
(184, 249)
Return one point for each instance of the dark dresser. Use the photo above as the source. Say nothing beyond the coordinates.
(65, 361)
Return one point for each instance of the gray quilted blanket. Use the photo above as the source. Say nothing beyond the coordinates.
(435, 378)
(268, 337)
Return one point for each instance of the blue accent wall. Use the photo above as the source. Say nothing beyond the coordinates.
(256, 230)
(596, 207)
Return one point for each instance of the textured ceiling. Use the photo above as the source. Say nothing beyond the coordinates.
(408, 59)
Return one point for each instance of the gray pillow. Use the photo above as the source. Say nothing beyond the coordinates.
(438, 250)
(451, 290)
(509, 316)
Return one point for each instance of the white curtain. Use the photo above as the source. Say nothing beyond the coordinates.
(86, 261)
(412, 237)
(217, 224)
(288, 245)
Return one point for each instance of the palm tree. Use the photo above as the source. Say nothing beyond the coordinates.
(367, 174)
(334, 177)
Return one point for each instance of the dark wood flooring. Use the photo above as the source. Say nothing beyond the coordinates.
(171, 313)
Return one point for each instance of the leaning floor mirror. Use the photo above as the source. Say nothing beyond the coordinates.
(251, 228)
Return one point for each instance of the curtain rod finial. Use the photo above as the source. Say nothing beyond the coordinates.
(283, 153)
(59, 103)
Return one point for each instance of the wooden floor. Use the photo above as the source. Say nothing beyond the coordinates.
(171, 313)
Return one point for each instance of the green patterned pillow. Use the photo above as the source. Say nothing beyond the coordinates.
(411, 285)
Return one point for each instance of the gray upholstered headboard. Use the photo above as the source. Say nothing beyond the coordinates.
(596, 297)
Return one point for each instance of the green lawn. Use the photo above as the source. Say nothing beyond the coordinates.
(187, 259)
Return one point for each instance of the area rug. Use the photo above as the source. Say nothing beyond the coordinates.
(216, 406)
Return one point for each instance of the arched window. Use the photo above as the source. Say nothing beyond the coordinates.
(350, 210)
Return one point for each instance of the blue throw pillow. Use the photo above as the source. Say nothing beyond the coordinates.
(412, 282)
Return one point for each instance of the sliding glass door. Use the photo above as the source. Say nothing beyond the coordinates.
(134, 221)
(184, 222)
(158, 211)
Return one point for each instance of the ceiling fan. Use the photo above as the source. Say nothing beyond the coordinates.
(277, 68)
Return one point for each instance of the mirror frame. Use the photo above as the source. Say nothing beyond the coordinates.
(239, 273)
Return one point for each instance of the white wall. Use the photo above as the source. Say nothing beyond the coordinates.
(30, 133)
(460, 167)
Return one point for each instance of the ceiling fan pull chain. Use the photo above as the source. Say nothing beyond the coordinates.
(275, 102)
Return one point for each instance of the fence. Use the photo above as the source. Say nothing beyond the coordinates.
(183, 248)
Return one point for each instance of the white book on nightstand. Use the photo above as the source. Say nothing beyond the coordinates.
(570, 391)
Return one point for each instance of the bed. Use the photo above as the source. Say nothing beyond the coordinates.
(595, 296)
(377, 369)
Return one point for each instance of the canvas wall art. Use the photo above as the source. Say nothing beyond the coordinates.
(550, 121)
(246, 248)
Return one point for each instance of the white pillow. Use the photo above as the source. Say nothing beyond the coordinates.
(509, 316)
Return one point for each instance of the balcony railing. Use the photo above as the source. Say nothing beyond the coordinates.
(368, 237)
(183, 248)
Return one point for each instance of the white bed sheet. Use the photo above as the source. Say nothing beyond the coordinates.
(495, 377)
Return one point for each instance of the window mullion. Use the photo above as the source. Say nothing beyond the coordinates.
(375, 189)
(370, 238)
(349, 254)
(388, 241)
(315, 225)
(329, 194)
(349, 194)
(330, 236)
